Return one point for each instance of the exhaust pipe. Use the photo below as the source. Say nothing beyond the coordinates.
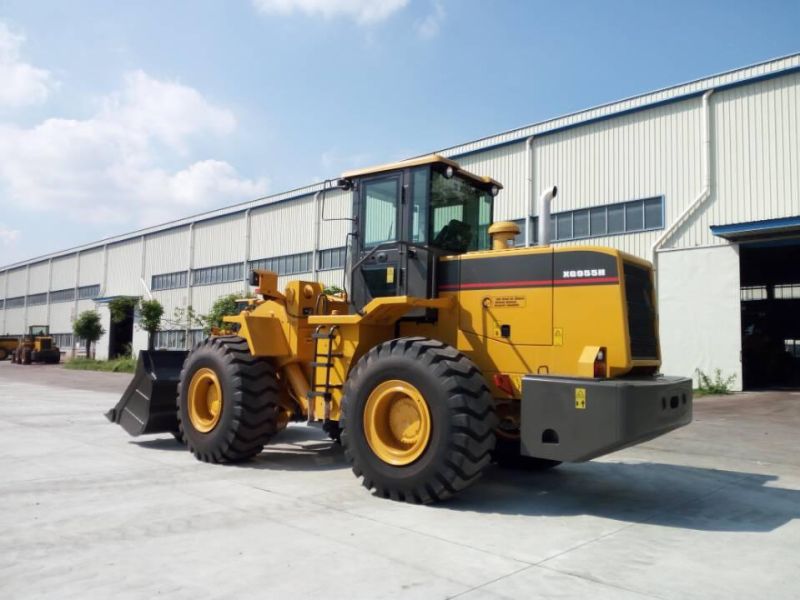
(543, 214)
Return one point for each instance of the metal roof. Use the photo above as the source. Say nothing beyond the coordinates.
(742, 76)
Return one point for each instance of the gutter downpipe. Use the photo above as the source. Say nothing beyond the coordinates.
(315, 234)
(704, 193)
(529, 192)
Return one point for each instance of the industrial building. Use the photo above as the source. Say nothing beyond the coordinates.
(702, 178)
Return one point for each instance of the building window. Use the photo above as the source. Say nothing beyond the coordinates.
(62, 296)
(285, 265)
(218, 274)
(176, 339)
(37, 299)
(168, 281)
(16, 302)
(624, 217)
(753, 292)
(62, 340)
(331, 258)
(787, 291)
(88, 292)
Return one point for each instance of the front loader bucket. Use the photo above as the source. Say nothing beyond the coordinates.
(149, 404)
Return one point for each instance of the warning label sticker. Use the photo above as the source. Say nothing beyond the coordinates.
(580, 398)
(508, 301)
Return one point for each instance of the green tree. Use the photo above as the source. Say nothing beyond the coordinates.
(122, 308)
(224, 306)
(150, 313)
(87, 326)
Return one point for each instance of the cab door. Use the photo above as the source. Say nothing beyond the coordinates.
(379, 224)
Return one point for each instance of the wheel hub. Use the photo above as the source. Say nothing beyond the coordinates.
(397, 422)
(205, 400)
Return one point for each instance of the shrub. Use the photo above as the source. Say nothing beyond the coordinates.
(715, 383)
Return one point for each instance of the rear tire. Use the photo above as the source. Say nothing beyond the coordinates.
(249, 409)
(459, 419)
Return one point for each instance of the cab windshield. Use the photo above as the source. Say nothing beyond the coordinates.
(40, 330)
(461, 214)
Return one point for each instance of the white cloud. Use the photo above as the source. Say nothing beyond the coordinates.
(109, 168)
(429, 27)
(362, 11)
(8, 236)
(21, 83)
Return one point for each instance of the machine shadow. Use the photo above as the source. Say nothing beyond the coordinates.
(169, 444)
(299, 448)
(634, 492)
(645, 493)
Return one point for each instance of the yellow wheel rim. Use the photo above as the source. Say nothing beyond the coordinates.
(397, 422)
(205, 400)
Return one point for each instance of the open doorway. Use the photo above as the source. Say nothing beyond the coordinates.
(770, 304)
(120, 332)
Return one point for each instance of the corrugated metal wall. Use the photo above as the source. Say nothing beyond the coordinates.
(171, 300)
(64, 271)
(628, 154)
(61, 316)
(124, 269)
(220, 241)
(755, 158)
(17, 282)
(202, 297)
(39, 278)
(91, 267)
(285, 228)
(14, 321)
(338, 205)
(166, 252)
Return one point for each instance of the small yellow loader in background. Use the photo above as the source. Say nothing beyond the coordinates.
(36, 346)
(449, 349)
(8, 344)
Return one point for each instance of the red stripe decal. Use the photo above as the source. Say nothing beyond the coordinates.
(580, 280)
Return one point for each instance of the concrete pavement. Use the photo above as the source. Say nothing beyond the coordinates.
(709, 511)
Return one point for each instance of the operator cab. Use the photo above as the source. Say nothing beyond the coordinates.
(408, 214)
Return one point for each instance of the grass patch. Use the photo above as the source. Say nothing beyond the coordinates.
(714, 384)
(117, 365)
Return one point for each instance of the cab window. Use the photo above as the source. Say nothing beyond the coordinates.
(380, 210)
(461, 214)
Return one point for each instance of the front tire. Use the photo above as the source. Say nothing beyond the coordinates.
(227, 401)
(417, 421)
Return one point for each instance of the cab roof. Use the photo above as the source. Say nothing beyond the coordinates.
(428, 159)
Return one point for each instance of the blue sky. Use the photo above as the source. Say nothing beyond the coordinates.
(118, 115)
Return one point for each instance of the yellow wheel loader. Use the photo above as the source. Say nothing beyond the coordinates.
(36, 346)
(448, 349)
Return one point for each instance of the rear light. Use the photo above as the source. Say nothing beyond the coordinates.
(503, 383)
(601, 364)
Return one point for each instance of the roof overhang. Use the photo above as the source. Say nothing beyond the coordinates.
(754, 230)
(428, 159)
